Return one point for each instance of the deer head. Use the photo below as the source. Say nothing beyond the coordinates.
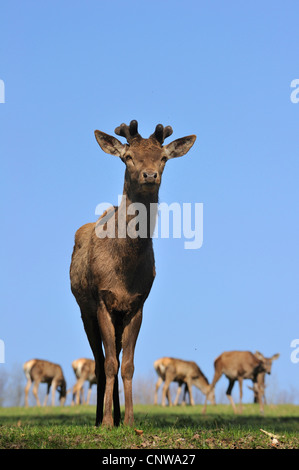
(266, 362)
(62, 392)
(145, 159)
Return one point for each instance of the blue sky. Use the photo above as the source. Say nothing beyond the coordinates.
(220, 70)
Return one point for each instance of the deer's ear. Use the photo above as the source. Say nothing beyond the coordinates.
(110, 144)
(275, 356)
(179, 147)
(259, 356)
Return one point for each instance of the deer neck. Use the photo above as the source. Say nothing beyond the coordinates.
(202, 384)
(141, 207)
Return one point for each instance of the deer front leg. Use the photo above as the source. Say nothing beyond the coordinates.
(54, 386)
(111, 364)
(47, 395)
(91, 326)
(189, 385)
(259, 393)
(217, 375)
(129, 338)
(240, 380)
(176, 400)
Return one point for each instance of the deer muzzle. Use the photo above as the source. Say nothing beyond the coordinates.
(150, 177)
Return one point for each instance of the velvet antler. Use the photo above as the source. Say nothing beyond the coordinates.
(129, 132)
(161, 133)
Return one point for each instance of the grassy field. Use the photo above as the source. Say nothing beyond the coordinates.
(155, 428)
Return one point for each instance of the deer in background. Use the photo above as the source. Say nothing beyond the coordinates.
(184, 372)
(111, 276)
(84, 370)
(240, 365)
(38, 371)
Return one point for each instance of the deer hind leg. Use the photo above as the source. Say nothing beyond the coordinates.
(129, 338)
(35, 391)
(77, 390)
(88, 395)
(169, 376)
(229, 396)
(27, 388)
(158, 384)
(91, 327)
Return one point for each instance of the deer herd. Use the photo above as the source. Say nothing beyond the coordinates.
(111, 278)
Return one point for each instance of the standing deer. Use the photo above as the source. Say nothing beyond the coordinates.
(38, 371)
(111, 276)
(84, 370)
(184, 372)
(239, 365)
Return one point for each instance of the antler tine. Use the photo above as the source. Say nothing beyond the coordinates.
(161, 133)
(129, 132)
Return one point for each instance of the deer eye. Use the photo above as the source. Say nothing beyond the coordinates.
(128, 158)
(164, 159)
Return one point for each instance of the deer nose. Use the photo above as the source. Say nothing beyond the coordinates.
(150, 176)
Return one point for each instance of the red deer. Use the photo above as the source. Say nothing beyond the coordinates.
(84, 370)
(38, 371)
(184, 372)
(111, 277)
(239, 365)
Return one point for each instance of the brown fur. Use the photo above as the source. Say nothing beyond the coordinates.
(112, 277)
(259, 387)
(39, 371)
(239, 365)
(184, 372)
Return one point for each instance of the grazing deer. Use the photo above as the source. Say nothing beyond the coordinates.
(184, 372)
(111, 276)
(84, 370)
(38, 371)
(239, 365)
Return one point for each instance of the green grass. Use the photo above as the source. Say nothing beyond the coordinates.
(162, 428)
